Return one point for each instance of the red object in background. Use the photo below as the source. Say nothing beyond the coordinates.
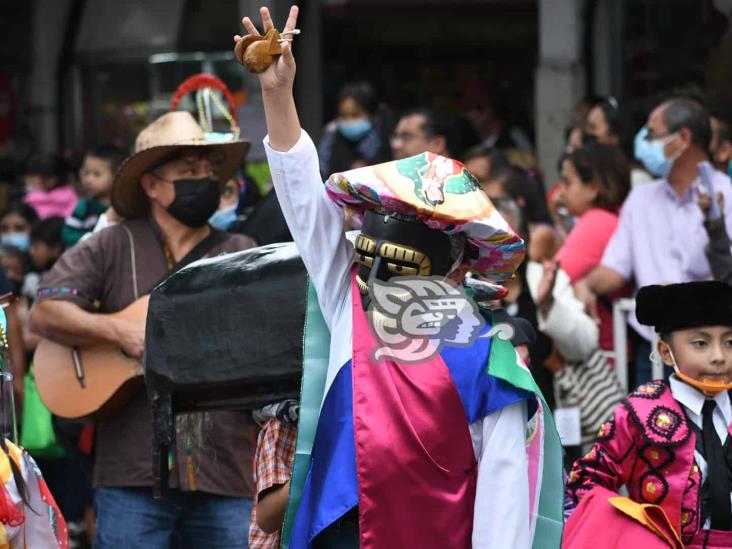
(7, 108)
(552, 193)
(204, 80)
(86, 440)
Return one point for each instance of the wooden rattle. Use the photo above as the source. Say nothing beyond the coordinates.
(257, 53)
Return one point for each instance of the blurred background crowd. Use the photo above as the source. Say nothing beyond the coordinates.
(583, 120)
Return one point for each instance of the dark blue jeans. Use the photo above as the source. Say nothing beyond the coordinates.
(130, 518)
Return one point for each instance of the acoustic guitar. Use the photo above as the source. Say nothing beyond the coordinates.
(89, 382)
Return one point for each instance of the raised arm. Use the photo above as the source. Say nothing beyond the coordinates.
(316, 223)
(283, 124)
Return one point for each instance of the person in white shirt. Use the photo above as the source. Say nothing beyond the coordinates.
(486, 500)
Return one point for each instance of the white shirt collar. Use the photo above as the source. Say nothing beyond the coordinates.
(693, 399)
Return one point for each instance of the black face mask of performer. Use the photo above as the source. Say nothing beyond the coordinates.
(391, 245)
(195, 200)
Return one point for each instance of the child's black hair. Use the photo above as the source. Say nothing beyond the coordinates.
(26, 211)
(48, 230)
(20, 255)
(45, 165)
(111, 153)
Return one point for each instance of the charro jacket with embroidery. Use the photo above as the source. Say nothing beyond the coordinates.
(647, 446)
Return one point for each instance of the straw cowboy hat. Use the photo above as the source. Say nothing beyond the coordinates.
(171, 132)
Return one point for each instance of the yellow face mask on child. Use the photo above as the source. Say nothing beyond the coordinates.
(710, 387)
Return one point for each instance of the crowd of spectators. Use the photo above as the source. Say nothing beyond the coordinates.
(629, 210)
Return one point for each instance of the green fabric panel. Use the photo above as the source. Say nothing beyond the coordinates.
(260, 173)
(316, 352)
(550, 522)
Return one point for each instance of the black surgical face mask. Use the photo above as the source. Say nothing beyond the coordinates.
(195, 200)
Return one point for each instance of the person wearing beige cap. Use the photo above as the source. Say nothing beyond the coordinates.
(165, 192)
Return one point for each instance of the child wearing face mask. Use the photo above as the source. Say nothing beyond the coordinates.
(15, 225)
(97, 176)
(45, 248)
(669, 442)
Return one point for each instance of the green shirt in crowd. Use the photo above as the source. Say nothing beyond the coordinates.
(82, 220)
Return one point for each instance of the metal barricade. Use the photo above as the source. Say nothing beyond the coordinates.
(620, 338)
(621, 308)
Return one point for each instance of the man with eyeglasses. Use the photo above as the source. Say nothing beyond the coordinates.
(166, 192)
(419, 131)
(660, 237)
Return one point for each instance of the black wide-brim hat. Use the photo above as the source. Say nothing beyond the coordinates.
(683, 306)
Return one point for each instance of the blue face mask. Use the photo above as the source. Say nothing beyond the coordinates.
(651, 155)
(223, 218)
(355, 129)
(17, 240)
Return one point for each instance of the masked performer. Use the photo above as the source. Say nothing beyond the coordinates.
(669, 442)
(430, 453)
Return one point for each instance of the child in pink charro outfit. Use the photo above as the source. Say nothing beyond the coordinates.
(669, 443)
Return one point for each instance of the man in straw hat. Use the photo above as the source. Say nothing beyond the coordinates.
(414, 447)
(166, 192)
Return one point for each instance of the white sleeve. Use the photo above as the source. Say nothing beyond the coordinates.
(316, 223)
(501, 516)
(102, 223)
(573, 331)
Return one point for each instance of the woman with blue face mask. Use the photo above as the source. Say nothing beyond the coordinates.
(15, 225)
(354, 138)
(225, 216)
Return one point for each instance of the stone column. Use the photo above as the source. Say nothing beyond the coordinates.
(559, 77)
(607, 47)
(50, 19)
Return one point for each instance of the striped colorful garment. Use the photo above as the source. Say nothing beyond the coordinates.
(37, 524)
(518, 490)
(393, 439)
(29, 516)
